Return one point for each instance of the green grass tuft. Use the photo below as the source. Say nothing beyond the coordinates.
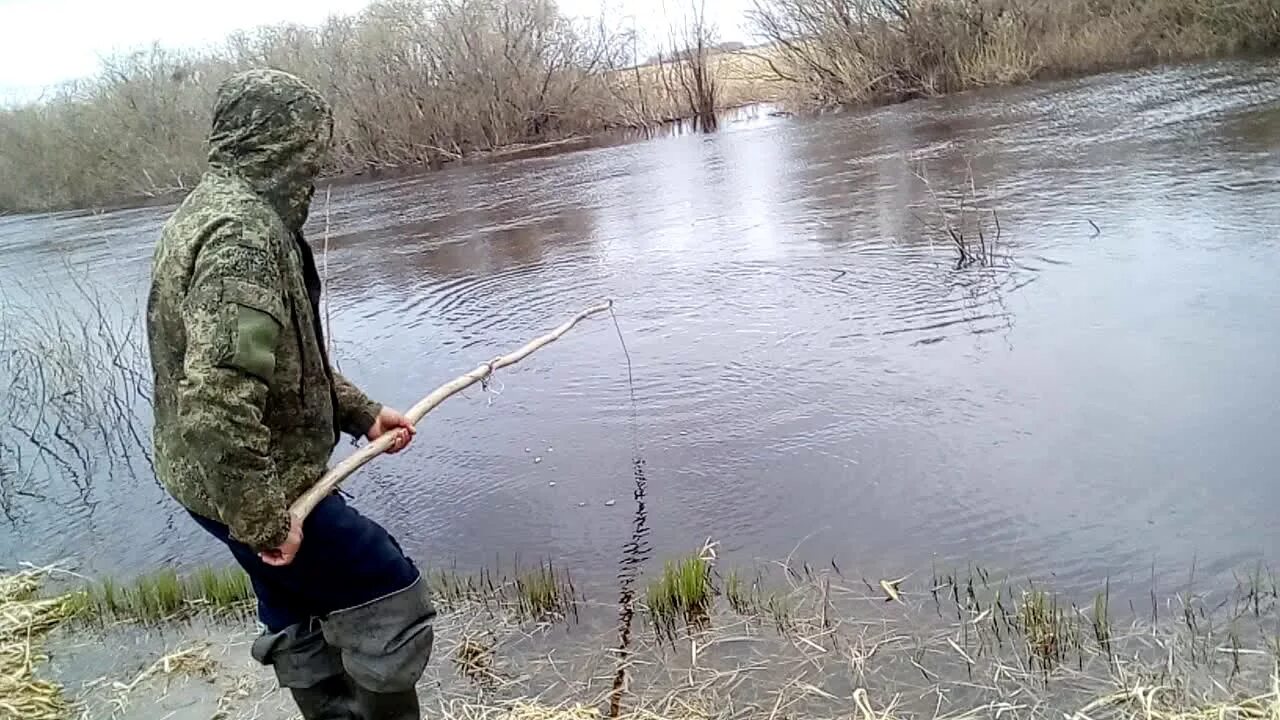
(1047, 628)
(778, 608)
(164, 595)
(1102, 619)
(543, 593)
(682, 591)
(741, 599)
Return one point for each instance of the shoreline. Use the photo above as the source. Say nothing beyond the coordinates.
(610, 137)
(628, 134)
(789, 641)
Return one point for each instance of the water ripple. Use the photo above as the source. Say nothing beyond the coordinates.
(808, 359)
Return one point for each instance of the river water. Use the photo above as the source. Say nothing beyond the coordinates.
(814, 375)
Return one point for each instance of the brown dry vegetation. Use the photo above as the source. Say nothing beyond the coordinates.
(412, 82)
(424, 82)
(861, 51)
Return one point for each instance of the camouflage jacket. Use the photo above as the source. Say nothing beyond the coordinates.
(247, 407)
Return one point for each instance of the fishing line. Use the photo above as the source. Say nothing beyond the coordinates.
(631, 379)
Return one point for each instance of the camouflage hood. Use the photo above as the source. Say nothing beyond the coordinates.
(272, 130)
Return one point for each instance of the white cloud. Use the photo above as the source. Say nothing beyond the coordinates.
(651, 16)
(44, 42)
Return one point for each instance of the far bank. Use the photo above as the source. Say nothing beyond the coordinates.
(420, 85)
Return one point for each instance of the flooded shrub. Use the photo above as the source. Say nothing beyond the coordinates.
(77, 392)
(412, 82)
(427, 82)
(687, 69)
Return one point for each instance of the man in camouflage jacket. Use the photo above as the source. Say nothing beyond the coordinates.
(248, 411)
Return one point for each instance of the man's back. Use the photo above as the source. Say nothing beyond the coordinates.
(224, 342)
(246, 408)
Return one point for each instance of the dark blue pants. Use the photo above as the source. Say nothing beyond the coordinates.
(345, 560)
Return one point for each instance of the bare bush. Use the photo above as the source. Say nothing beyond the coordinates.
(961, 218)
(411, 81)
(77, 392)
(425, 82)
(686, 66)
(856, 51)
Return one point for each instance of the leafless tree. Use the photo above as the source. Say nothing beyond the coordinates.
(411, 81)
(686, 65)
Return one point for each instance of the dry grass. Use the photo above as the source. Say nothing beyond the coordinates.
(964, 220)
(1143, 703)
(952, 647)
(193, 661)
(25, 619)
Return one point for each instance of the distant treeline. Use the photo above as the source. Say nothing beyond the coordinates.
(411, 81)
(429, 81)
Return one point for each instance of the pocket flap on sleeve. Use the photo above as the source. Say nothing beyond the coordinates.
(256, 321)
(254, 296)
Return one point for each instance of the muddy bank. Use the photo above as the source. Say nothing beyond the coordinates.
(792, 641)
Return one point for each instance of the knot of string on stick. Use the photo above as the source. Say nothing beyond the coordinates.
(488, 380)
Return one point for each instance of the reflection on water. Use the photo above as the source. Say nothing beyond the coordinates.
(634, 554)
(813, 374)
(637, 549)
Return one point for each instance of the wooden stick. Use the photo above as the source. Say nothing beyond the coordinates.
(308, 501)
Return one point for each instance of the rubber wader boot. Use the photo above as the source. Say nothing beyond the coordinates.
(385, 647)
(401, 705)
(334, 698)
(312, 671)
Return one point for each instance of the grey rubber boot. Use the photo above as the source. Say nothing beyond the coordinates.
(312, 670)
(401, 705)
(385, 645)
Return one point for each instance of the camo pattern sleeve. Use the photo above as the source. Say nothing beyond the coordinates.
(356, 412)
(233, 315)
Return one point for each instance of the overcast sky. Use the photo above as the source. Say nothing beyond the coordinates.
(43, 42)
